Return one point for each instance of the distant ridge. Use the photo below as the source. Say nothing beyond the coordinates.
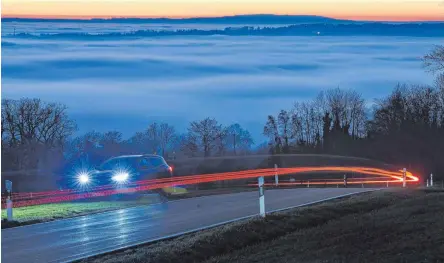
(314, 29)
(237, 19)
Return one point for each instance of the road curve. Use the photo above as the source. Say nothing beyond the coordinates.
(80, 237)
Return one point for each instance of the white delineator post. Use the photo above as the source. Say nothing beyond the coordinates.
(172, 176)
(404, 171)
(431, 180)
(9, 209)
(261, 196)
(276, 178)
(8, 185)
(427, 184)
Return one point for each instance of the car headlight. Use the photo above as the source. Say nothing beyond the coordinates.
(83, 178)
(120, 177)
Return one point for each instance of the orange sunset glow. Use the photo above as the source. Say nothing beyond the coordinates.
(388, 10)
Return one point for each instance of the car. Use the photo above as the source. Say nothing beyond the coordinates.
(125, 170)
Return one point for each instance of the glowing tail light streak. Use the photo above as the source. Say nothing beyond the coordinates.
(26, 199)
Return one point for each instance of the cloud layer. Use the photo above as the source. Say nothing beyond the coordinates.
(125, 84)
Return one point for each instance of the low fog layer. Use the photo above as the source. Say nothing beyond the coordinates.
(126, 83)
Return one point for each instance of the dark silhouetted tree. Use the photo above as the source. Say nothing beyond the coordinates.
(206, 135)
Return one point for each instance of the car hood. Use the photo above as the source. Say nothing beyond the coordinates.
(101, 173)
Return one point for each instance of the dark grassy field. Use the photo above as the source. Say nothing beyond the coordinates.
(383, 226)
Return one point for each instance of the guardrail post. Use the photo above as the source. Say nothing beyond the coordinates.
(345, 180)
(261, 196)
(9, 215)
(276, 178)
(387, 184)
(404, 171)
(308, 184)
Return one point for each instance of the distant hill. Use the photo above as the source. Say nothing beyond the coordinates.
(314, 29)
(238, 19)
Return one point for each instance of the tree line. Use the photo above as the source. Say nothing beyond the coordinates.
(406, 128)
(309, 29)
(40, 136)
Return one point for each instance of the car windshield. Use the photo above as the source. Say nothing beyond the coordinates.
(132, 162)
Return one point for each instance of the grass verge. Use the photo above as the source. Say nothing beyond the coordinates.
(383, 226)
(49, 212)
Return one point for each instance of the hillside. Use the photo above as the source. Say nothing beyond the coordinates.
(237, 19)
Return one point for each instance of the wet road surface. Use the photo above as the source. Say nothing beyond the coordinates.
(70, 239)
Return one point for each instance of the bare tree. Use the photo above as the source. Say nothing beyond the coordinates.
(112, 143)
(434, 61)
(356, 109)
(187, 144)
(167, 136)
(153, 136)
(206, 133)
(83, 146)
(297, 131)
(31, 120)
(140, 143)
(307, 122)
(271, 131)
(439, 82)
(32, 130)
(284, 127)
(162, 136)
(113, 137)
(238, 139)
(337, 104)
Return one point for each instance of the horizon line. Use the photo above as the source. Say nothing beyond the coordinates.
(351, 18)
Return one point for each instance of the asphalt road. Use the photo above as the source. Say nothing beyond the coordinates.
(76, 238)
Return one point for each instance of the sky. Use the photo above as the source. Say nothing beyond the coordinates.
(387, 10)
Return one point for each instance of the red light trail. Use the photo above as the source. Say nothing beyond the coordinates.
(47, 197)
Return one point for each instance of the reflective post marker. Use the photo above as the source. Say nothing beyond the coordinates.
(345, 180)
(431, 180)
(427, 184)
(261, 196)
(404, 171)
(9, 209)
(8, 185)
(276, 178)
(174, 186)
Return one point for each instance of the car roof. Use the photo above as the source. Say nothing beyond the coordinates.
(135, 156)
(152, 155)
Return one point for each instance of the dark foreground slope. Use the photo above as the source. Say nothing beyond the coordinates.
(384, 226)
